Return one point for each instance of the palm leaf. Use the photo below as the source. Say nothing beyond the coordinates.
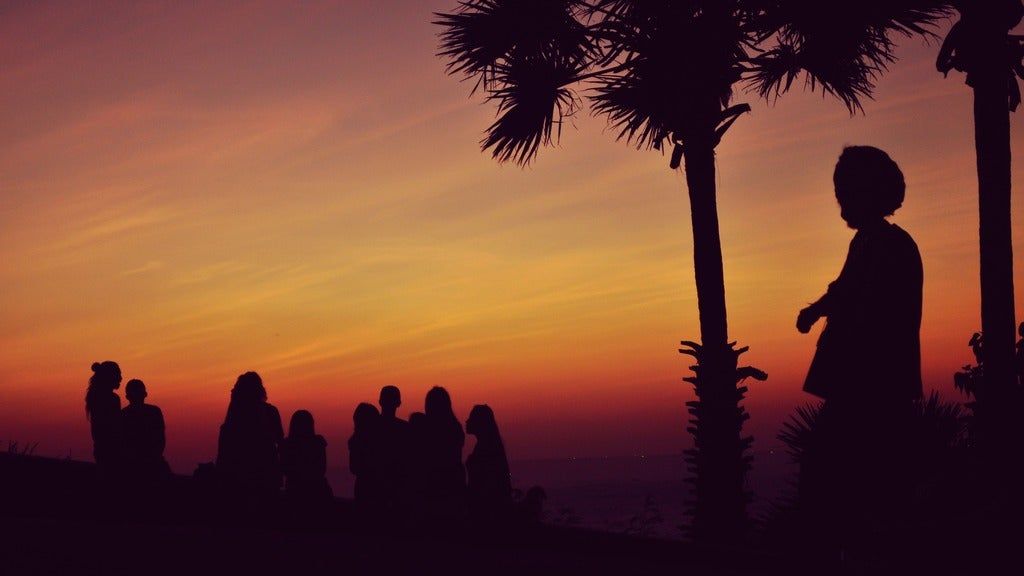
(533, 99)
(675, 64)
(842, 53)
(481, 34)
(799, 433)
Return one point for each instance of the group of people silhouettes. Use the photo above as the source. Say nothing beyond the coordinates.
(400, 466)
(127, 440)
(418, 463)
(255, 456)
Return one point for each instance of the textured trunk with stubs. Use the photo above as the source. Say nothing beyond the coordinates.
(718, 462)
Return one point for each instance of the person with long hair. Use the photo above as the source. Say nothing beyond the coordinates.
(247, 448)
(489, 487)
(304, 460)
(444, 438)
(364, 459)
(103, 409)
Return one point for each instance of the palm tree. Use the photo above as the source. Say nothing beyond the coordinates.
(980, 45)
(664, 73)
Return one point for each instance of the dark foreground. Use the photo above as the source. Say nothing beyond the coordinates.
(55, 520)
(54, 523)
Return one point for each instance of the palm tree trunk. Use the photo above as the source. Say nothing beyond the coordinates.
(992, 141)
(707, 245)
(718, 463)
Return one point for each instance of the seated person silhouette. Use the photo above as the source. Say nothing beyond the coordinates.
(103, 409)
(304, 461)
(489, 485)
(364, 460)
(394, 447)
(867, 366)
(247, 447)
(143, 434)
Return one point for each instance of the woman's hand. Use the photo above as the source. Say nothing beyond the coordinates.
(806, 319)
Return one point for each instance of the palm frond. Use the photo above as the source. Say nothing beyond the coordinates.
(840, 52)
(533, 101)
(676, 63)
(799, 433)
(481, 34)
(941, 424)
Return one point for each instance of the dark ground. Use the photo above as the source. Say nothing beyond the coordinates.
(56, 518)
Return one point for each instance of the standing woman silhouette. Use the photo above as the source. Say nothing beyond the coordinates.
(103, 409)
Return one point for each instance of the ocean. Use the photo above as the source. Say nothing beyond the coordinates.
(640, 494)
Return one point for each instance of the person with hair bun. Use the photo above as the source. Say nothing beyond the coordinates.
(103, 409)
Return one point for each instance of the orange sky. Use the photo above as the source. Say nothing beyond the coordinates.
(299, 191)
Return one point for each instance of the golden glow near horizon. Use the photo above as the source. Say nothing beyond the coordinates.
(197, 193)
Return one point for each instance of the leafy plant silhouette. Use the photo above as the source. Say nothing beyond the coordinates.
(971, 382)
(936, 439)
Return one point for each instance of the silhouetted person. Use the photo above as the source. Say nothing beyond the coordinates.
(364, 460)
(103, 409)
(249, 438)
(144, 438)
(489, 486)
(870, 350)
(867, 366)
(418, 469)
(304, 461)
(394, 447)
(443, 438)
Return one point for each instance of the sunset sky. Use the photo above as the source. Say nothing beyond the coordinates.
(297, 189)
